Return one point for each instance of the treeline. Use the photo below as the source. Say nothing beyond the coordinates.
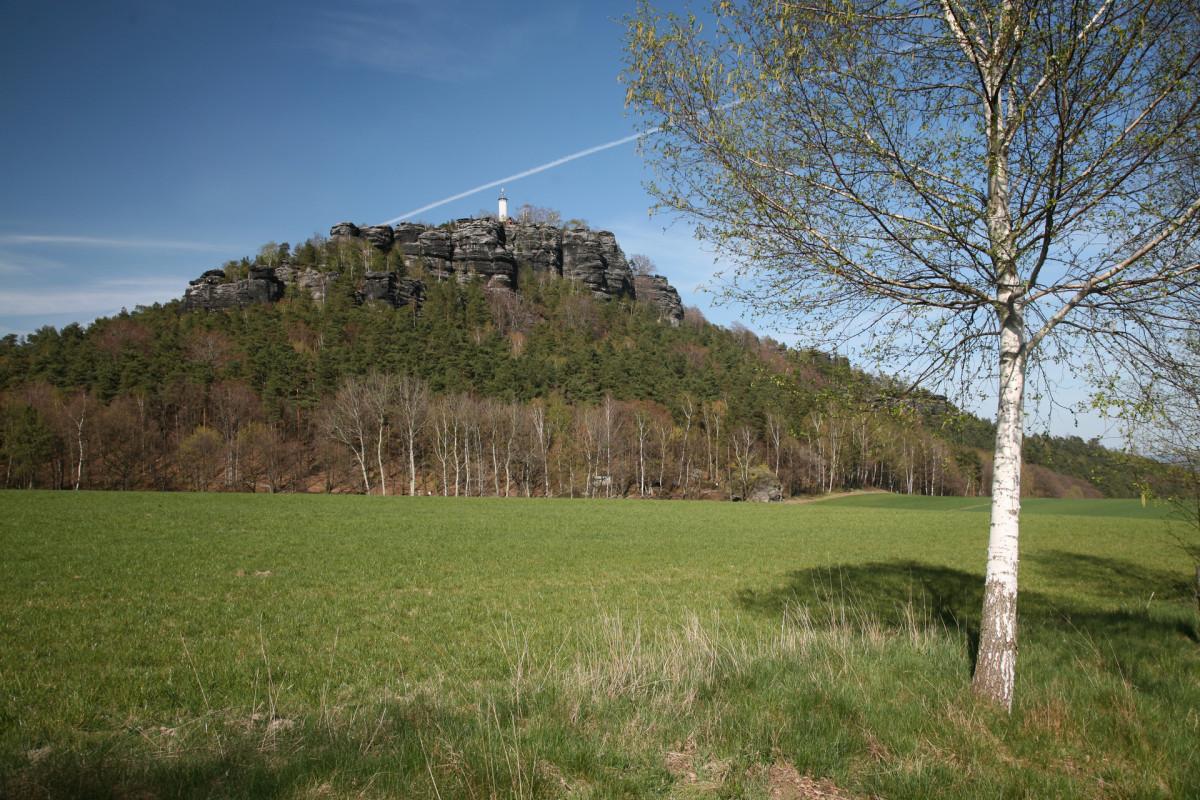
(388, 434)
(542, 392)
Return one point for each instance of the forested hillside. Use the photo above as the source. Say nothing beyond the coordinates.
(550, 390)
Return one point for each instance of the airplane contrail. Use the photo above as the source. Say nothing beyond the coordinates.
(549, 165)
(525, 174)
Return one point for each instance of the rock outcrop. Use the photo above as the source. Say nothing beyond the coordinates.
(480, 251)
(310, 281)
(393, 289)
(763, 486)
(538, 247)
(493, 252)
(594, 259)
(380, 236)
(485, 250)
(428, 250)
(213, 291)
(656, 291)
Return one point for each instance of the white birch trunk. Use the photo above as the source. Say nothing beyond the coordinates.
(412, 460)
(79, 443)
(995, 666)
(379, 439)
(360, 456)
(996, 662)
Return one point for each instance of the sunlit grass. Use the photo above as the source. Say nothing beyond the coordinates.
(191, 645)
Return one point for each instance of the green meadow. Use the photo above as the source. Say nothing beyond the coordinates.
(190, 645)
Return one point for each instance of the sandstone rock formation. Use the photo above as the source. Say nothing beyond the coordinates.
(536, 246)
(212, 291)
(429, 250)
(594, 259)
(310, 281)
(393, 289)
(763, 487)
(656, 291)
(380, 236)
(766, 490)
(480, 250)
(486, 250)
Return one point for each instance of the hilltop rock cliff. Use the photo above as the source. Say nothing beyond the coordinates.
(212, 291)
(656, 291)
(486, 250)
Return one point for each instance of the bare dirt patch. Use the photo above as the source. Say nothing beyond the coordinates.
(685, 766)
(818, 498)
(784, 782)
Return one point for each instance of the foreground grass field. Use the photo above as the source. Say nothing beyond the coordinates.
(163, 645)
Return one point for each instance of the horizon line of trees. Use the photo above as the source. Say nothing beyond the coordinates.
(384, 433)
(150, 399)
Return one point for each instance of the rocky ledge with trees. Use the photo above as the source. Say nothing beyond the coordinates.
(312, 371)
(400, 261)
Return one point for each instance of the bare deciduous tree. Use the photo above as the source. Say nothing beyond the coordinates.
(357, 418)
(412, 403)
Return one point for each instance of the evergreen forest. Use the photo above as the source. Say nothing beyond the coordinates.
(546, 391)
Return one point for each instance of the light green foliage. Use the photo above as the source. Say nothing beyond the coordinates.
(307, 646)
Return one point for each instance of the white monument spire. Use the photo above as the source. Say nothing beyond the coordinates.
(503, 215)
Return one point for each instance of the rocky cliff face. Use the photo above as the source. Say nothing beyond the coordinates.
(469, 249)
(656, 291)
(212, 291)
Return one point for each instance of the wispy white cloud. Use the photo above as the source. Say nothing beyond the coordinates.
(104, 241)
(445, 41)
(88, 300)
(20, 264)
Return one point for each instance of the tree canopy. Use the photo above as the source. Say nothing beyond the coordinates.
(945, 182)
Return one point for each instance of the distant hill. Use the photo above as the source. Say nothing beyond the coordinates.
(479, 357)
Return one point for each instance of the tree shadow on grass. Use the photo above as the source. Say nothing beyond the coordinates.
(1108, 577)
(1100, 603)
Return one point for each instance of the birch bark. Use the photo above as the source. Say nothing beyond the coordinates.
(995, 666)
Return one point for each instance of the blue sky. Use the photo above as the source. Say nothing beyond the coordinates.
(144, 142)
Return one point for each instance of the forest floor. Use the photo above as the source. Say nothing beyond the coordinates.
(191, 645)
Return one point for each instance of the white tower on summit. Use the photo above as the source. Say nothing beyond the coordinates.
(503, 215)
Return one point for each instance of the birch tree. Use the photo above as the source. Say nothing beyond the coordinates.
(411, 400)
(357, 417)
(961, 189)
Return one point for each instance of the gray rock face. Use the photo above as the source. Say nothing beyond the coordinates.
(409, 292)
(378, 286)
(764, 487)
(380, 236)
(594, 259)
(480, 250)
(491, 251)
(391, 288)
(310, 281)
(581, 259)
(536, 246)
(618, 277)
(469, 249)
(656, 291)
(211, 276)
(433, 252)
(210, 292)
(407, 232)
